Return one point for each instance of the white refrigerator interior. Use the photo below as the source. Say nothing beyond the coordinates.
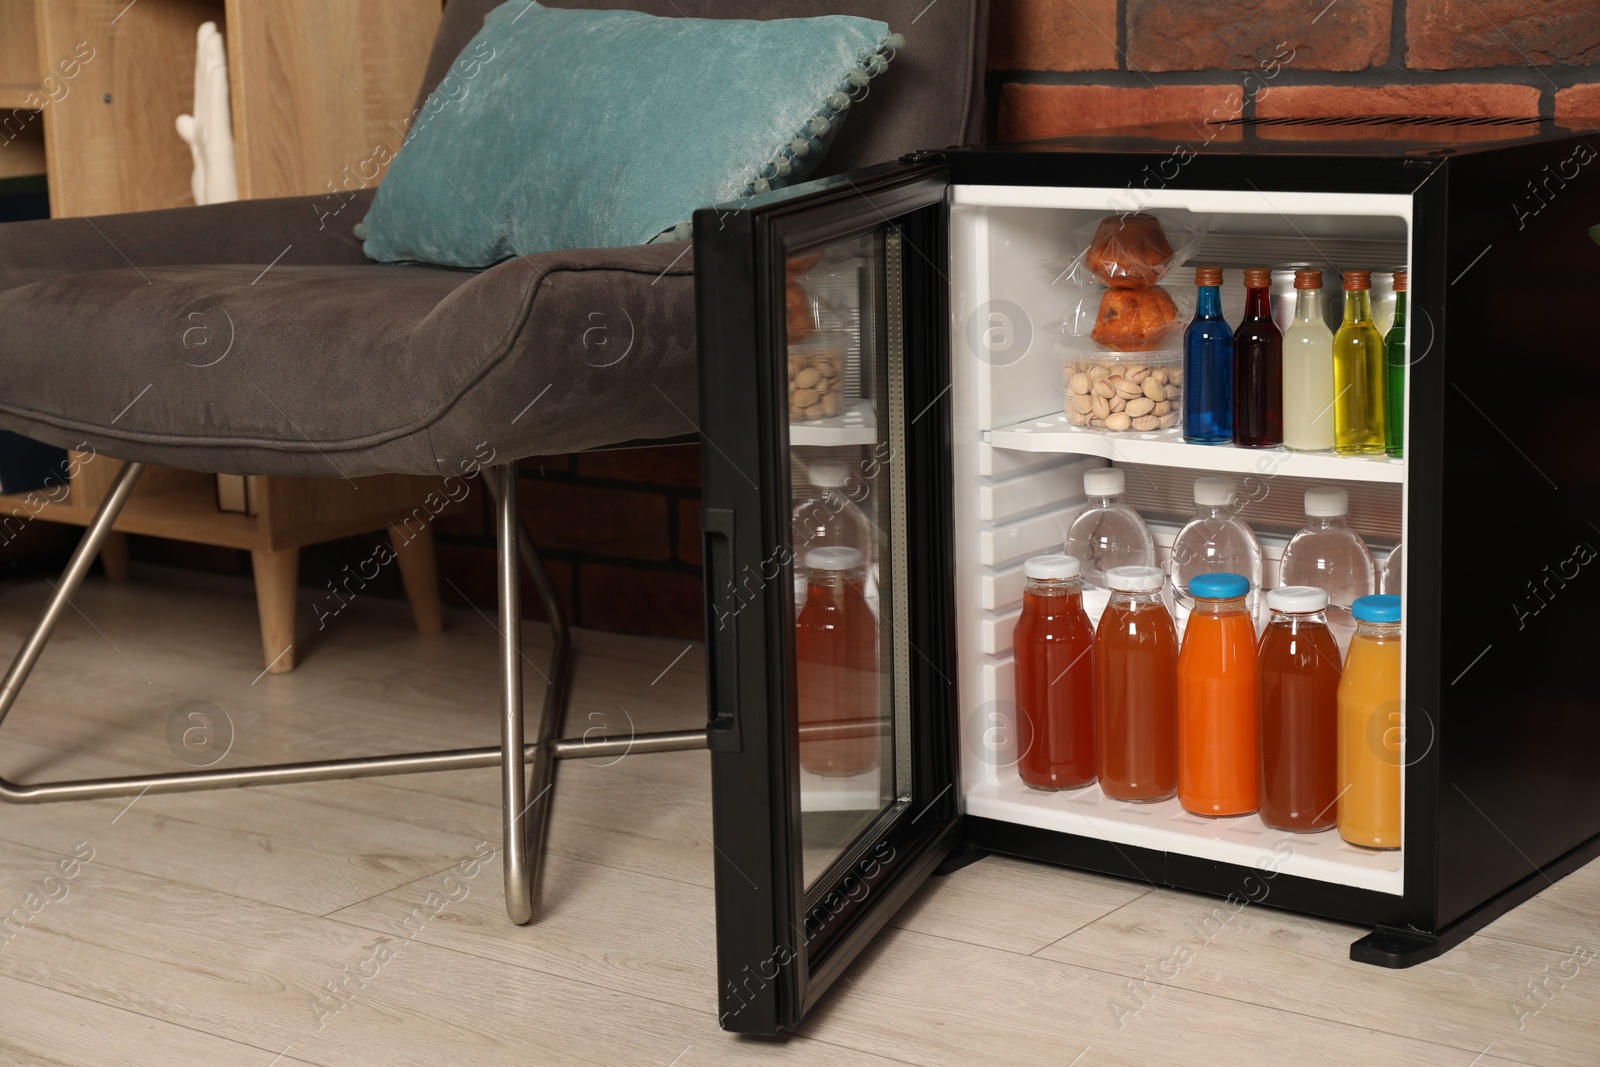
(1018, 470)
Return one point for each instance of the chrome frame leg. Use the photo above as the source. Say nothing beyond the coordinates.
(71, 579)
(513, 786)
(524, 840)
(526, 831)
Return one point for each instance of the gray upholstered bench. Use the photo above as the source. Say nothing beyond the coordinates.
(339, 367)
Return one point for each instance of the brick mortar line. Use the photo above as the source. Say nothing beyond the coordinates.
(1371, 78)
(1122, 35)
(1397, 34)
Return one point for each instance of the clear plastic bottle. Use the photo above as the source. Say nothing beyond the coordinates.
(1216, 541)
(1308, 370)
(1106, 533)
(1328, 555)
(1389, 581)
(827, 518)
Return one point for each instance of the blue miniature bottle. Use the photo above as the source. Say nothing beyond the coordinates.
(1208, 366)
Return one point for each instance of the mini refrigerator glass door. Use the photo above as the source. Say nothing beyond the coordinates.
(829, 559)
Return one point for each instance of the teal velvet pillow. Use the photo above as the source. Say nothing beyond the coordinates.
(597, 129)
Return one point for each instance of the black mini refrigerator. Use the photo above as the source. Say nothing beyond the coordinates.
(882, 411)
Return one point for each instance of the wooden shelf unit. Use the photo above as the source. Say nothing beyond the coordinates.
(92, 89)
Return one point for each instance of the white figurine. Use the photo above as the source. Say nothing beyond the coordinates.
(209, 131)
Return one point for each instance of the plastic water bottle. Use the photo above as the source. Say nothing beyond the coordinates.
(828, 518)
(1330, 556)
(1216, 541)
(1106, 533)
(1391, 578)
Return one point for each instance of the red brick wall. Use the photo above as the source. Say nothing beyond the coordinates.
(1057, 68)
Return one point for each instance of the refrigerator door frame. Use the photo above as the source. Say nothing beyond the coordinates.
(777, 955)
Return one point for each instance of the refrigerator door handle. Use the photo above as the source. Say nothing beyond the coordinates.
(722, 645)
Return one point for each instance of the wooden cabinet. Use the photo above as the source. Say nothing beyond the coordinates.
(317, 87)
(322, 91)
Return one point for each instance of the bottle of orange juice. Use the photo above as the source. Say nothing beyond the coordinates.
(1218, 722)
(1369, 727)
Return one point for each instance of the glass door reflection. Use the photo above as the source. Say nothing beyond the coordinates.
(843, 363)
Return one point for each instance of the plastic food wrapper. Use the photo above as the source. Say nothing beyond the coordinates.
(1124, 320)
(1108, 280)
(817, 341)
(1131, 250)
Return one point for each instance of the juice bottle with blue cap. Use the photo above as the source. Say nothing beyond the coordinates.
(1369, 727)
(1055, 677)
(1136, 689)
(1218, 722)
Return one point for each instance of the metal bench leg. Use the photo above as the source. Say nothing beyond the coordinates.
(527, 809)
(523, 843)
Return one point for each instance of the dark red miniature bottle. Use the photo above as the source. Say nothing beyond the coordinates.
(1258, 369)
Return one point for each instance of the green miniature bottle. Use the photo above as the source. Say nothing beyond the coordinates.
(1394, 374)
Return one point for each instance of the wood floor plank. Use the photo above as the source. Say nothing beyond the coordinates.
(1013, 904)
(338, 994)
(46, 1028)
(1473, 996)
(279, 847)
(930, 1000)
(1563, 915)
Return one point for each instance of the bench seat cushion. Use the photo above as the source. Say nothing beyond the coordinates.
(349, 369)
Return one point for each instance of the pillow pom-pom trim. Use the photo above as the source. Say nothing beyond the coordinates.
(853, 87)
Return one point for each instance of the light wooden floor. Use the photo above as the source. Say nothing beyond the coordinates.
(205, 927)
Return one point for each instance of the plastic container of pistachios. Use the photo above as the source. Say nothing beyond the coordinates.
(1122, 392)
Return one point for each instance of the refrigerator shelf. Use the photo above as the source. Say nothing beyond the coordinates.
(1054, 433)
(857, 424)
(1166, 827)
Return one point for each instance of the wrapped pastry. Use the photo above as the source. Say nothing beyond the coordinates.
(1129, 251)
(797, 313)
(1135, 320)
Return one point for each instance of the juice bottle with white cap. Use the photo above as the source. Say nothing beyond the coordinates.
(1370, 727)
(1136, 689)
(836, 661)
(1053, 643)
(1298, 667)
(1218, 724)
